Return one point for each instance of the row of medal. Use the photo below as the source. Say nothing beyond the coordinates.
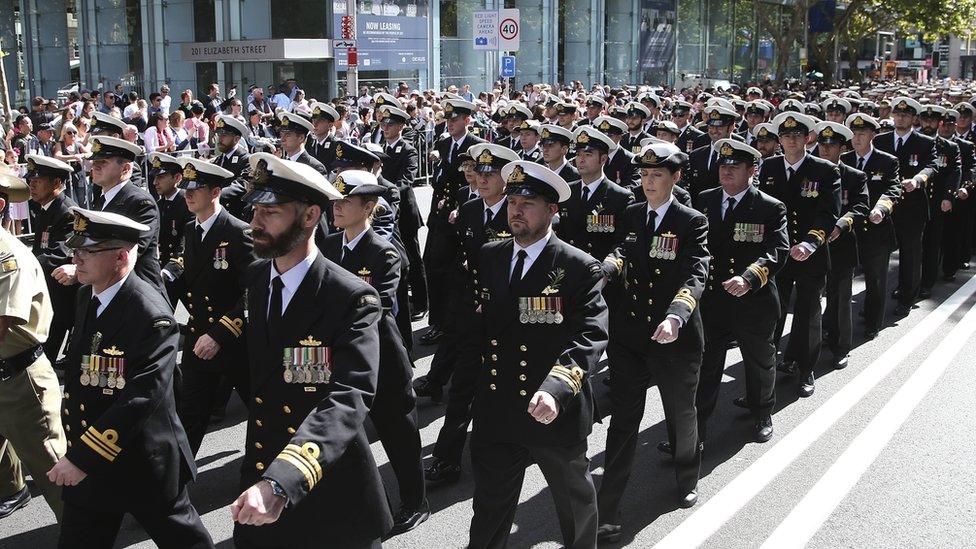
(748, 232)
(810, 189)
(102, 371)
(307, 364)
(541, 310)
(220, 259)
(599, 223)
(664, 247)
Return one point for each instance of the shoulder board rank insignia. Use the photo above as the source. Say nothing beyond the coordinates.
(583, 138)
(113, 351)
(517, 175)
(392, 253)
(726, 150)
(189, 173)
(309, 342)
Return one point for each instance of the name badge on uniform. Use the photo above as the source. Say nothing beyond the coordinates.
(599, 223)
(220, 259)
(811, 189)
(309, 364)
(748, 232)
(541, 310)
(631, 237)
(664, 246)
(876, 177)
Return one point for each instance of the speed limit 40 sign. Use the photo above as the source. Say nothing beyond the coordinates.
(509, 29)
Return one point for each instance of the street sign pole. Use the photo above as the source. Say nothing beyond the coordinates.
(352, 71)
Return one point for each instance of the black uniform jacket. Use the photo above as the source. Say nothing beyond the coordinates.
(590, 226)
(308, 434)
(620, 168)
(173, 217)
(812, 199)
(884, 193)
(663, 273)
(546, 332)
(916, 157)
(854, 209)
(138, 205)
(213, 274)
(51, 229)
(128, 440)
(752, 244)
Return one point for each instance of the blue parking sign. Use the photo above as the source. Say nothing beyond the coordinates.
(508, 66)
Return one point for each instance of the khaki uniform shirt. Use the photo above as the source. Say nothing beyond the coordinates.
(23, 296)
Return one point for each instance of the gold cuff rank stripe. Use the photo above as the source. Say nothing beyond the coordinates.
(305, 459)
(102, 443)
(885, 203)
(572, 377)
(684, 297)
(761, 272)
(821, 236)
(234, 325)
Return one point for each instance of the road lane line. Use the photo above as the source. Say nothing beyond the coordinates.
(819, 503)
(715, 512)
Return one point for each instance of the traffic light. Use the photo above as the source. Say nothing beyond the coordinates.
(346, 29)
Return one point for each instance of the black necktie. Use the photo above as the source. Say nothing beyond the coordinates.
(488, 216)
(200, 233)
(586, 193)
(713, 159)
(454, 150)
(472, 196)
(100, 202)
(730, 203)
(651, 222)
(345, 251)
(274, 309)
(897, 144)
(860, 164)
(789, 173)
(92, 313)
(519, 267)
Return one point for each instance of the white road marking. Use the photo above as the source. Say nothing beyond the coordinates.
(816, 507)
(715, 512)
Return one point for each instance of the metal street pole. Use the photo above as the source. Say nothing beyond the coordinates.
(352, 72)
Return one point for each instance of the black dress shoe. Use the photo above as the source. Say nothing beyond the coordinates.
(432, 335)
(608, 533)
(764, 429)
(688, 500)
(901, 311)
(424, 387)
(806, 386)
(665, 448)
(965, 265)
(870, 334)
(408, 519)
(442, 472)
(949, 277)
(14, 502)
(840, 362)
(418, 315)
(925, 293)
(787, 367)
(741, 402)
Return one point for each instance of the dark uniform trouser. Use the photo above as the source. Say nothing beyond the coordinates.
(837, 319)
(375, 544)
(499, 469)
(755, 338)
(677, 380)
(457, 415)
(200, 390)
(909, 260)
(178, 526)
(932, 248)
(416, 277)
(445, 359)
(394, 414)
(806, 338)
(875, 267)
(957, 237)
(440, 265)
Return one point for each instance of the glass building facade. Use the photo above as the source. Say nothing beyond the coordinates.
(426, 43)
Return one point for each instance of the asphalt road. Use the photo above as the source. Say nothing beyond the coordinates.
(880, 456)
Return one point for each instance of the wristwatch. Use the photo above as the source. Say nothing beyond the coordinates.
(276, 488)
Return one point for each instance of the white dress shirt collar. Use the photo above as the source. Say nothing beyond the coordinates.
(351, 244)
(292, 279)
(209, 222)
(110, 194)
(108, 294)
(532, 252)
(659, 212)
